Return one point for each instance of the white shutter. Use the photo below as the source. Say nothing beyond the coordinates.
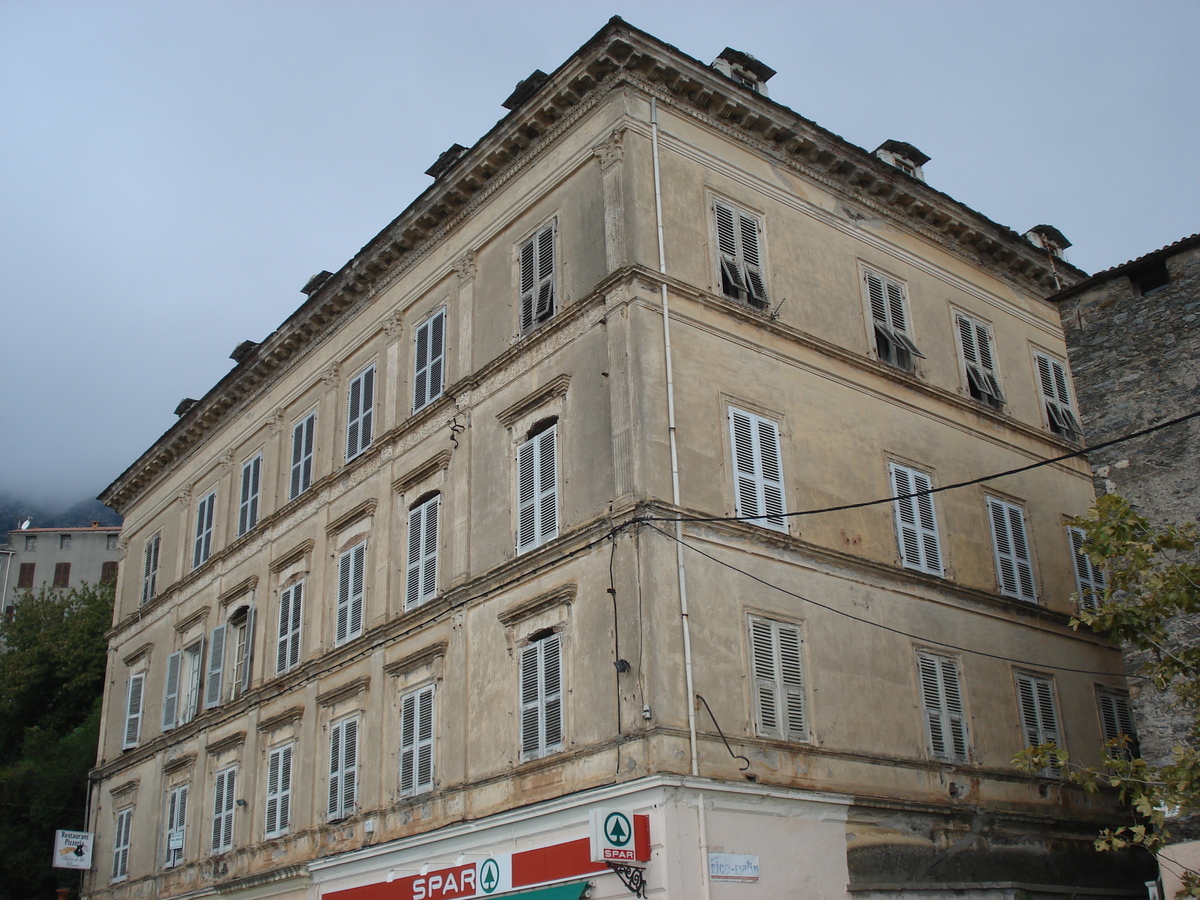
(541, 697)
(120, 867)
(360, 413)
(204, 526)
(1116, 722)
(941, 697)
(248, 505)
(1052, 379)
(428, 360)
(216, 667)
(351, 570)
(740, 256)
(916, 522)
(751, 259)
(758, 470)
(1089, 578)
(303, 435)
(223, 807)
(1039, 718)
(279, 791)
(287, 646)
(777, 670)
(150, 569)
(537, 490)
(343, 768)
(170, 711)
(416, 741)
(1014, 568)
(176, 824)
(247, 658)
(133, 710)
(421, 584)
(976, 342)
(537, 278)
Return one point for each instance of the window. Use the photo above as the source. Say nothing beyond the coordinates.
(248, 507)
(1014, 568)
(975, 342)
(242, 642)
(350, 593)
(941, 698)
(1116, 723)
(1039, 715)
(279, 791)
(133, 710)
(177, 801)
(1089, 577)
(215, 674)
(777, 666)
(1151, 278)
(416, 741)
(890, 318)
(541, 697)
(291, 612)
(150, 569)
(30, 543)
(360, 413)
(537, 278)
(223, 805)
(1056, 398)
(422, 552)
(343, 768)
(537, 490)
(25, 575)
(108, 572)
(429, 359)
(741, 263)
(120, 867)
(62, 574)
(110, 542)
(916, 524)
(302, 455)
(757, 470)
(181, 691)
(64, 542)
(204, 529)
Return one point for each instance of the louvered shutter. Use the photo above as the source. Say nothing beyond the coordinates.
(428, 360)
(350, 593)
(223, 807)
(537, 490)
(360, 413)
(1039, 718)
(552, 693)
(530, 707)
(778, 673)
(416, 741)
(752, 260)
(287, 644)
(150, 569)
(1013, 564)
(1089, 578)
(170, 711)
(421, 584)
(176, 824)
(216, 667)
(941, 696)
(758, 470)
(875, 293)
(762, 647)
(247, 650)
(133, 710)
(248, 503)
(343, 761)
(358, 572)
(1116, 722)
(303, 435)
(1052, 379)
(537, 278)
(204, 525)
(733, 283)
(895, 304)
(279, 791)
(120, 868)
(916, 522)
(791, 680)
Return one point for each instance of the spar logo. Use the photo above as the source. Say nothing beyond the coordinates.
(489, 876)
(618, 829)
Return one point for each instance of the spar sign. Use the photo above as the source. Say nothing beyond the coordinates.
(618, 836)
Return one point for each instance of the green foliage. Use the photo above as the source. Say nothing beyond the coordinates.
(1153, 584)
(51, 681)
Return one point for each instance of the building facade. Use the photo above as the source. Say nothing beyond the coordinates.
(59, 558)
(617, 474)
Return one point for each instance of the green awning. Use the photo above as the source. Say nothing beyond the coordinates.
(558, 892)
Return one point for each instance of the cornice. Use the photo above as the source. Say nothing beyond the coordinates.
(413, 661)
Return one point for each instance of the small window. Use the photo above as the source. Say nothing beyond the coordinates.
(241, 642)
(537, 265)
(416, 741)
(303, 434)
(62, 574)
(351, 571)
(421, 585)
(1116, 723)
(223, 806)
(777, 668)
(120, 866)
(25, 575)
(429, 360)
(1089, 577)
(291, 615)
(108, 572)
(202, 547)
(941, 698)
(740, 257)
(916, 522)
(248, 506)
(1151, 278)
(177, 802)
(64, 542)
(1056, 397)
(181, 688)
(111, 542)
(537, 489)
(360, 413)
(30, 543)
(343, 769)
(541, 697)
(150, 569)
(133, 710)
(887, 299)
(279, 791)
(1039, 713)
(1014, 566)
(975, 345)
(214, 677)
(758, 470)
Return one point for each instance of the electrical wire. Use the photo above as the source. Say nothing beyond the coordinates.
(897, 631)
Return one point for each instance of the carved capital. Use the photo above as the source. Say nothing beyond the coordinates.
(275, 420)
(465, 268)
(226, 460)
(185, 496)
(393, 326)
(330, 376)
(612, 150)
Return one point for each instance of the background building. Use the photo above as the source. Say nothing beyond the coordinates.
(600, 480)
(59, 557)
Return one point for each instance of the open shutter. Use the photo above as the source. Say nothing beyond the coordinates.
(424, 763)
(170, 712)
(547, 485)
(791, 681)
(216, 667)
(756, 284)
(133, 710)
(733, 283)
(526, 497)
(358, 557)
(1089, 578)
(528, 284)
(530, 706)
(545, 289)
(552, 692)
(349, 765)
(766, 693)
(247, 650)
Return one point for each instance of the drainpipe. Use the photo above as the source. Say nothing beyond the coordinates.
(679, 562)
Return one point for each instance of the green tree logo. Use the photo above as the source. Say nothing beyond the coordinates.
(617, 830)
(489, 876)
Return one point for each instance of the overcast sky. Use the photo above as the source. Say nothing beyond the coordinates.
(171, 173)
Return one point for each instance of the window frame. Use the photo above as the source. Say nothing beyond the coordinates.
(741, 269)
(289, 634)
(541, 696)
(1020, 582)
(537, 277)
(279, 799)
(424, 532)
(304, 438)
(759, 493)
(977, 353)
(429, 360)
(224, 788)
(537, 504)
(351, 603)
(418, 740)
(26, 574)
(887, 303)
(360, 412)
(343, 801)
(779, 684)
(205, 525)
(1054, 389)
(916, 519)
(251, 493)
(62, 575)
(947, 735)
